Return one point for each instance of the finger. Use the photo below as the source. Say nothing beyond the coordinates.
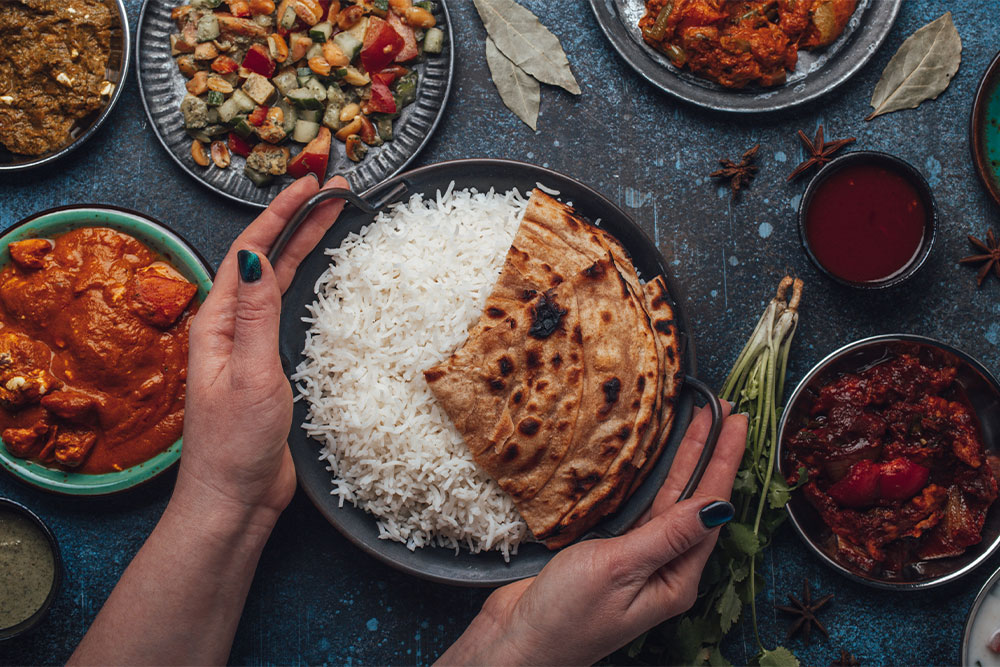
(257, 237)
(665, 537)
(690, 449)
(721, 471)
(309, 234)
(257, 314)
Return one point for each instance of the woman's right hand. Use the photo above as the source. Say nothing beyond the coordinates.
(596, 595)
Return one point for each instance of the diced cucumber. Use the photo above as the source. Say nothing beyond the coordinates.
(349, 44)
(356, 78)
(205, 4)
(359, 30)
(243, 101)
(315, 51)
(305, 131)
(434, 40)
(321, 31)
(318, 89)
(214, 98)
(289, 115)
(310, 115)
(200, 135)
(229, 110)
(383, 123)
(303, 98)
(406, 89)
(302, 75)
(425, 4)
(331, 118)
(259, 179)
(338, 73)
(242, 127)
(285, 81)
(288, 18)
(208, 28)
(335, 96)
(216, 130)
(212, 117)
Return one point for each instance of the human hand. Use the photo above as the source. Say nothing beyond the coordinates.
(238, 410)
(596, 595)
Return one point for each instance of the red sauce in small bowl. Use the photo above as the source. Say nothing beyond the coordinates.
(865, 223)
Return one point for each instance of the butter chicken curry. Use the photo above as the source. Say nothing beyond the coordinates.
(93, 350)
(739, 42)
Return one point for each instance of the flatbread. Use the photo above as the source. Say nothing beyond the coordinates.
(560, 389)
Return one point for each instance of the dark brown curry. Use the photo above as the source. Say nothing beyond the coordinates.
(93, 351)
(53, 58)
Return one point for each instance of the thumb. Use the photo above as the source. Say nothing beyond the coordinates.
(673, 533)
(258, 313)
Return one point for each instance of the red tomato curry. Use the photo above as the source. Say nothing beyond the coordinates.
(93, 350)
(739, 42)
(896, 465)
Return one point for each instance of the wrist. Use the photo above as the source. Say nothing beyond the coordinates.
(485, 642)
(201, 506)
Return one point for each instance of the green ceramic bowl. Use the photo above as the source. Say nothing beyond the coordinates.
(173, 249)
(984, 128)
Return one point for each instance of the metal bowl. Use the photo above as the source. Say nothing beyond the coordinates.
(983, 392)
(57, 575)
(907, 171)
(84, 128)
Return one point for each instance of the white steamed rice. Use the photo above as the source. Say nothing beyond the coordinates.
(397, 299)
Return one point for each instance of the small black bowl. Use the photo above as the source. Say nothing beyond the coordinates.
(904, 169)
(33, 620)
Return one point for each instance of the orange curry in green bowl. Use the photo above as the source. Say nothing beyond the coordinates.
(95, 308)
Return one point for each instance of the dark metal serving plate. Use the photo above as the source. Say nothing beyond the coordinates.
(439, 564)
(816, 73)
(162, 88)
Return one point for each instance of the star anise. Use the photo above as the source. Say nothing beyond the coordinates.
(739, 173)
(990, 258)
(845, 660)
(820, 152)
(806, 610)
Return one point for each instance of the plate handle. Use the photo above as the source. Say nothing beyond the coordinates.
(715, 405)
(303, 212)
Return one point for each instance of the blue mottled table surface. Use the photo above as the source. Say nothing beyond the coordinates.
(316, 598)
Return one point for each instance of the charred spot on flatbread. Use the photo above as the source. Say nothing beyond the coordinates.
(546, 316)
(611, 388)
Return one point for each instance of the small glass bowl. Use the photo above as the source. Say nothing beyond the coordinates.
(907, 171)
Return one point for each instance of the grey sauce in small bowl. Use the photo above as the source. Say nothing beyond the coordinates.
(30, 569)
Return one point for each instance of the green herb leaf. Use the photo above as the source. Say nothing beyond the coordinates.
(716, 659)
(521, 37)
(779, 493)
(729, 607)
(739, 572)
(745, 483)
(921, 69)
(803, 476)
(778, 657)
(519, 92)
(743, 538)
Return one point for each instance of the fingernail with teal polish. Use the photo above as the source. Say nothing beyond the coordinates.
(732, 406)
(249, 264)
(716, 514)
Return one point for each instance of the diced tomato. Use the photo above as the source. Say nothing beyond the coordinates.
(259, 60)
(859, 488)
(239, 145)
(313, 158)
(381, 99)
(393, 72)
(901, 479)
(382, 44)
(257, 116)
(410, 49)
(224, 65)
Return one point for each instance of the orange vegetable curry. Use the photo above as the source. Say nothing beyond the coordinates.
(93, 350)
(739, 42)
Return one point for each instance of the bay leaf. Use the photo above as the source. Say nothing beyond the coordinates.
(518, 90)
(527, 43)
(921, 69)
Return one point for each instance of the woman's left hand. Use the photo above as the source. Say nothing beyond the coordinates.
(596, 595)
(239, 403)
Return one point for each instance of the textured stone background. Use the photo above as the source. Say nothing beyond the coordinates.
(317, 599)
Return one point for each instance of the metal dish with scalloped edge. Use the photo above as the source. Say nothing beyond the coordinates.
(816, 73)
(161, 86)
